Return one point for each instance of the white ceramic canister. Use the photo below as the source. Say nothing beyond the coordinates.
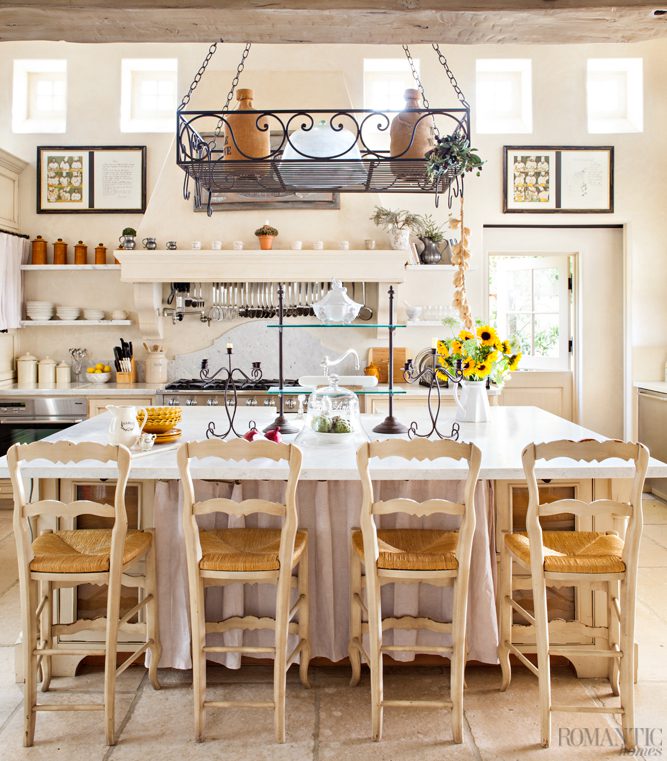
(46, 373)
(156, 367)
(26, 371)
(63, 375)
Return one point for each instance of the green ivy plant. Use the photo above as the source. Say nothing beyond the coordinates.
(452, 155)
(266, 230)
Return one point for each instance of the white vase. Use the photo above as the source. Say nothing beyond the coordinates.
(399, 238)
(473, 404)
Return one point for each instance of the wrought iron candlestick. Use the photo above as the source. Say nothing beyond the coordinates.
(229, 391)
(431, 373)
(390, 424)
(281, 422)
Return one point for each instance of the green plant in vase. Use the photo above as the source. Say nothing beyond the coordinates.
(431, 234)
(399, 224)
(451, 157)
(128, 238)
(266, 234)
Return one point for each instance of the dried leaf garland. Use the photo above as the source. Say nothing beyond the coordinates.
(460, 259)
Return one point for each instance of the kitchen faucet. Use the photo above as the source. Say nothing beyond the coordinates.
(327, 363)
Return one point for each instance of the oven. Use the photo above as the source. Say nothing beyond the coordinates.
(31, 418)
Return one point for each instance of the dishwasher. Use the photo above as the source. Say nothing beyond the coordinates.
(652, 429)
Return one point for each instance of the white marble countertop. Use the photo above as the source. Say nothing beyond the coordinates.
(86, 389)
(659, 387)
(501, 440)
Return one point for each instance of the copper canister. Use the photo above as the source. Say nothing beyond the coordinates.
(39, 250)
(80, 253)
(60, 252)
(100, 254)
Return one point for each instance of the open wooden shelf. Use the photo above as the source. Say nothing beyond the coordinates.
(71, 323)
(68, 267)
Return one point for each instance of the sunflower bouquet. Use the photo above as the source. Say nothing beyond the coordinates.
(482, 355)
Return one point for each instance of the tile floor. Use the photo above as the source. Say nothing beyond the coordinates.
(332, 721)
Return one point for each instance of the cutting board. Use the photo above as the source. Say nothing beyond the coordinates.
(379, 356)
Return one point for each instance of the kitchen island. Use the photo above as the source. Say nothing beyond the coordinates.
(329, 499)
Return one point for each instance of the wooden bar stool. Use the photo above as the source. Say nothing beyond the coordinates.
(248, 556)
(427, 556)
(592, 560)
(51, 560)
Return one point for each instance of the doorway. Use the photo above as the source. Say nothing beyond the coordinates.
(597, 369)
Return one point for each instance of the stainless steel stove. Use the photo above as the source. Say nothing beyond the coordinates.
(193, 392)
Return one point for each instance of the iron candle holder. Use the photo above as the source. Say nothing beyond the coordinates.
(431, 375)
(229, 375)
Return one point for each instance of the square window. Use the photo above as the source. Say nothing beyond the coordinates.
(385, 83)
(504, 96)
(148, 94)
(615, 96)
(39, 96)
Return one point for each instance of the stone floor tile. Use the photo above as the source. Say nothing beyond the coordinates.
(90, 679)
(658, 533)
(655, 510)
(11, 694)
(652, 592)
(652, 554)
(652, 641)
(8, 565)
(72, 736)
(408, 749)
(6, 518)
(10, 616)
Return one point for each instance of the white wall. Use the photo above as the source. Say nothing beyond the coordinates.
(292, 76)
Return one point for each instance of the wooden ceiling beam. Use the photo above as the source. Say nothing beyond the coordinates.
(333, 21)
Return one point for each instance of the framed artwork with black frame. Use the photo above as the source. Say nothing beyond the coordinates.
(314, 200)
(106, 179)
(548, 179)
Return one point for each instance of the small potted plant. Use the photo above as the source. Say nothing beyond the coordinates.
(431, 235)
(128, 238)
(399, 224)
(266, 234)
(451, 157)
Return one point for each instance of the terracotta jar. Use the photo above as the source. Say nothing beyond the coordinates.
(80, 253)
(60, 252)
(38, 250)
(100, 254)
(406, 127)
(248, 141)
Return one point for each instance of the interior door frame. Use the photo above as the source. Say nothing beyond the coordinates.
(627, 373)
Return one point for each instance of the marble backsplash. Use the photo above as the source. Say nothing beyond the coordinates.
(254, 342)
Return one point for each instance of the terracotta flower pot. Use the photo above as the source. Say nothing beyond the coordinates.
(265, 242)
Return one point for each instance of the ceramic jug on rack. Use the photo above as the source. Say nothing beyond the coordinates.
(473, 404)
(124, 427)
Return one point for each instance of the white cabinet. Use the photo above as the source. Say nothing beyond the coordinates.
(10, 170)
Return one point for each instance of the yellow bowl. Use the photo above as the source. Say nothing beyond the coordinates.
(160, 419)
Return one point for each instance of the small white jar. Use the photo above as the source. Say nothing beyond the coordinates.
(63, 375)
(26, 371)
(46, 373)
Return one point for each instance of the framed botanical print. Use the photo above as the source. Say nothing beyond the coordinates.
(567, 179)
(92, 180)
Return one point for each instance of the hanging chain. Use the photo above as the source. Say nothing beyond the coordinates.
(199, 75)
(232, 89)
(420, 87)
(451, 77)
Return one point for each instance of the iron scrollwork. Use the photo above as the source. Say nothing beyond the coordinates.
(230, 375)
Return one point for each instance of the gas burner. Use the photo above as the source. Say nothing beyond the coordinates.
(196, 384)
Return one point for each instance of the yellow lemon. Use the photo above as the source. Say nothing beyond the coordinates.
(90, 370)
(99, 365)
(107, 369)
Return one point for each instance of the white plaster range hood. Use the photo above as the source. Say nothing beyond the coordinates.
(148, 270)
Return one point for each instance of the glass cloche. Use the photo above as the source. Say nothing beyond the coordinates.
(336, 306)
(333, 413)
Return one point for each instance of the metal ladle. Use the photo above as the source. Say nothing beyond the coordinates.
(365, 313)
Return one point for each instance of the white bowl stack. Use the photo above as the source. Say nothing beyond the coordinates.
(93, 314)
(67, 313)
(39, 310)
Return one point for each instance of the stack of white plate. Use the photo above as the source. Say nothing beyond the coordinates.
(39, 310)
(93, 314)
(67, 313)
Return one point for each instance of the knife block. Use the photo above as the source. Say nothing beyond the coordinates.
(130, 377)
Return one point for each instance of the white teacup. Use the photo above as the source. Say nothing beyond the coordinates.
(344, 245)
(297, 245)
(146, 441)
(196, 245)
(238, 245)
(216, 245)
(318, 245)
(119, 314)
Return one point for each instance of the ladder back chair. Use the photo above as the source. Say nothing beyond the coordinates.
(430, 556)
(51, 560)
(248, 556)
(595, 560)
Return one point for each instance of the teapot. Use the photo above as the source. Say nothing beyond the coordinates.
(124, 427)
(473, 406)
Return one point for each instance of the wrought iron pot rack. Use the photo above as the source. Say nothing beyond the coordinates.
(200, 151)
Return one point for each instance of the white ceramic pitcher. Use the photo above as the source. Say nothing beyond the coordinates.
(124, 427)
(473, 406)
